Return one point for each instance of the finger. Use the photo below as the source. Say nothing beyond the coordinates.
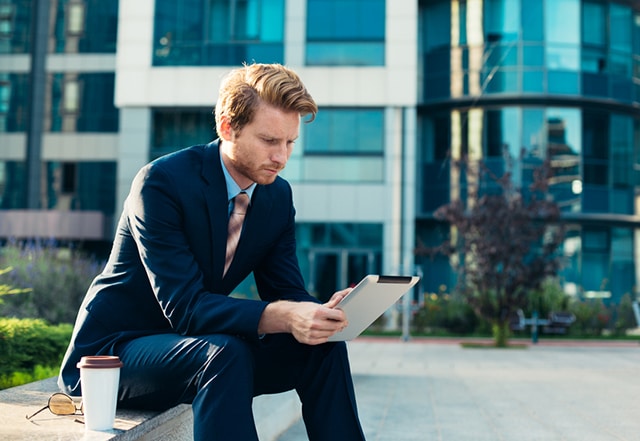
(337, 297)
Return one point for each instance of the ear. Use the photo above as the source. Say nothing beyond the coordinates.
(226, 132)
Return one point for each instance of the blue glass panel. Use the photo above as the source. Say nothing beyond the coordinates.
(533, 81)
(533, 55)
(218, 32)
(175, 129)
(595, 269)
(15, 27)
(532, 21)
(14, 102)
(562, 21)
(435, 184)
(436, 17)
(620, 34)
(96, 186)
(345, 20)
(98, 33)
(566, 83)
(13, 184)
(563, 57)
(595, 85)
(346, 132)
(501, 20)
(636, 33)
(96, 111)
(593, 23)
(500, 81)
(621, 89)
(340, 54)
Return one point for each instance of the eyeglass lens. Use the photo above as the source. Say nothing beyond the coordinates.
(60, 404)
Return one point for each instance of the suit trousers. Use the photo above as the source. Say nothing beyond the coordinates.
(220, 374)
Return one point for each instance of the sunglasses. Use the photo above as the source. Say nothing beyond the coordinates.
(60, 404)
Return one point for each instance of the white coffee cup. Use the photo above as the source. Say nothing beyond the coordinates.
(99, 379)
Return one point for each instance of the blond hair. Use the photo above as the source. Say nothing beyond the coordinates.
(243, 89)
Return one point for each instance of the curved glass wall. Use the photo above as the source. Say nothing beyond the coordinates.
(595, 157)
(561, 47)
(512, 84)
(596, 167)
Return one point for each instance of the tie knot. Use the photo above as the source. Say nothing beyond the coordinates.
(240, 203)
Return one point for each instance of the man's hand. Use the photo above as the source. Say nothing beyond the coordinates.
(308, 322)
(337, 297)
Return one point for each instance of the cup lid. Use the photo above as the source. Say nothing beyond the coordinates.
(99, 362)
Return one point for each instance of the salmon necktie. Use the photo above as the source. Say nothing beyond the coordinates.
(240, 204)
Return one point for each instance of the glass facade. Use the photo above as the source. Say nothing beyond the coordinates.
(13, 184)
(14, 102)
(84, 26)
(513, 84)
(218, 32)
(344, 144)
(71, 102)
(175, 129)
(336, 255)
(15, 26)
(345, 32)
(567, 47)
(82, 102)
(80, 186)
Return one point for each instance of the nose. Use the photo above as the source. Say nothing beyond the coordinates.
(280, 154)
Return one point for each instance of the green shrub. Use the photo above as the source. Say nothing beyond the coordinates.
(445, 313)
(56, 280)
(592, 316)
(27, 343)
(21, 377)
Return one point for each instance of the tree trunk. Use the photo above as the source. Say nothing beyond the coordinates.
(501, 333)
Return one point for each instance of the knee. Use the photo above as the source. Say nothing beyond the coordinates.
(224, 352)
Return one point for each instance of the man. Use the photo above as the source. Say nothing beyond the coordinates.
(161, 303)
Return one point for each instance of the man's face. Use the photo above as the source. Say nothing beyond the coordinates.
(261, 148)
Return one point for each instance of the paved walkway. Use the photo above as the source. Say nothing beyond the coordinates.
(425, 390)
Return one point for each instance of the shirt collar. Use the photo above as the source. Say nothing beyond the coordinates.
(233, 189)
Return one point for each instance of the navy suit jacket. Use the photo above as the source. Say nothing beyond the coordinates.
(164, 273)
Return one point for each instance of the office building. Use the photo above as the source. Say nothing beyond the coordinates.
(404, 87)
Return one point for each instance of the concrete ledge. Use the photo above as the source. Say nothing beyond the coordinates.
(273, 415)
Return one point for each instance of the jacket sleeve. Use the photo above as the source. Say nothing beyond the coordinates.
(278, 275)
(155, 217)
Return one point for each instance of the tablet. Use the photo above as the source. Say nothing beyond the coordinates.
(368, 300)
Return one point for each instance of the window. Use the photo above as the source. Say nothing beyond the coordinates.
(218, 32)
(340, 145)
(345, 32)
(74, 17)
(13, 179)
(502, 20)
(80, 186)
(562, 32)
(345, 131)
(82, 103)
(7, 12)
(15, 26)
(14, 102)
(174, 129)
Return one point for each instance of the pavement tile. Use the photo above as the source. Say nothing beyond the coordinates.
(437, 390)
